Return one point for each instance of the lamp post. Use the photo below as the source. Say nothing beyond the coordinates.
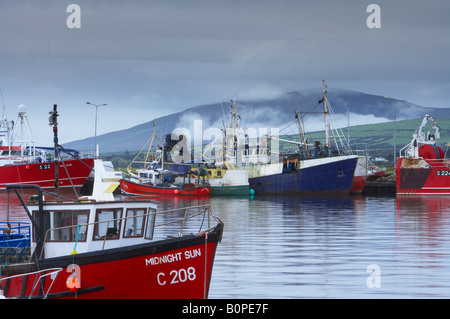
(395, 129)
(95, 137)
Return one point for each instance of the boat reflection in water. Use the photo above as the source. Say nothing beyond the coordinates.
(426, 214)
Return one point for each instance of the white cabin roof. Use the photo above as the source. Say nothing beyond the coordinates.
(90, 226)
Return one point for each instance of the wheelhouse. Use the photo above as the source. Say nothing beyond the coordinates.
(91, 226)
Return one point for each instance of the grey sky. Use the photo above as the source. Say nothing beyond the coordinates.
(150, 58)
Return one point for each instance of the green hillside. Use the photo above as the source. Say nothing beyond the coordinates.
(378, 139)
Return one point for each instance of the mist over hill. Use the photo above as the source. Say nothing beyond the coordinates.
(350, 108)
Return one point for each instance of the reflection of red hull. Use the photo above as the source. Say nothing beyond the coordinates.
(133, 188)
(43, 174)
(173, 268)
(434, 179)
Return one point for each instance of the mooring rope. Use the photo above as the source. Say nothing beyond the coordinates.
(206, 264)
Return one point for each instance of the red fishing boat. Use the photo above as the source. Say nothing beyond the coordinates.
(111, 249)
(72, 173)
(23, 163)
(422, 167)
(360, 175)
(114, 249)
(129, 187)
(153, 179)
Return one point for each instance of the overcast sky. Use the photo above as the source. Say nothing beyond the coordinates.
(150, 58)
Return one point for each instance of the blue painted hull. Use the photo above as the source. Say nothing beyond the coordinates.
(19, 236)
(14, 241)
(333, 178)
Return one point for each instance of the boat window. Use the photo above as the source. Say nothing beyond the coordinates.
(60, 221)
(134, 224)
(107, 224)
(150, 223)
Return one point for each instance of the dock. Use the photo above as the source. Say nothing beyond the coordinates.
(381, 186)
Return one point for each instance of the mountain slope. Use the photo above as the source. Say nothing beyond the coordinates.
(270, 113)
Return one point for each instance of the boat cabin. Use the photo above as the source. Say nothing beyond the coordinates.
(155, 177)
(91, 226)
(148, 176)
(86, 226)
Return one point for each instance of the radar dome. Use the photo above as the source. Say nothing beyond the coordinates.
(22, 109)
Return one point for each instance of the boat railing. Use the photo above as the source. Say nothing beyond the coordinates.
(67, 156)
(405, 150)
(40, 276)
(439, 163)
(19, 228)
(204, 211)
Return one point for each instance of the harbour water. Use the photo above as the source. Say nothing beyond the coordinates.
(325, 247)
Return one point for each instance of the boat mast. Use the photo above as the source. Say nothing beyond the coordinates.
(325, 113)
(53, 120)
(6, 127)
(231, 138)
(147, 158)
(235, 120)
(157, 145)
(302, 134)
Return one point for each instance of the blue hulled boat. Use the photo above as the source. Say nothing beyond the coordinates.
(312, 168)
(14, 234)
(332, 175)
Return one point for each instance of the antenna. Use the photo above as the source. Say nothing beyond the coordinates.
(48, 72)
(3, 101)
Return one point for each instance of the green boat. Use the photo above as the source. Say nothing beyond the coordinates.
(225, 180)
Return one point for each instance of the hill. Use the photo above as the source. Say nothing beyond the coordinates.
(359, 108)
(378, 139)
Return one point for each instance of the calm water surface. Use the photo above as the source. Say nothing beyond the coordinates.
(321, 247)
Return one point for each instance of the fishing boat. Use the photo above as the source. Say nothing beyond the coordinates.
(154, 179)
(422, 167)
(21, 162)
(112, 248)
(360, 176)
(223, 177)
(313, 168)
(296, 175)
(116, 249)
(154, 182)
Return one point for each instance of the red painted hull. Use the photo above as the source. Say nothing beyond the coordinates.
(174, 268)
(358, 184)
(132, 188)
(43, 174)
(434, 180)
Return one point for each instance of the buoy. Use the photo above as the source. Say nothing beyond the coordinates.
(176, 191)
(252, 192)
